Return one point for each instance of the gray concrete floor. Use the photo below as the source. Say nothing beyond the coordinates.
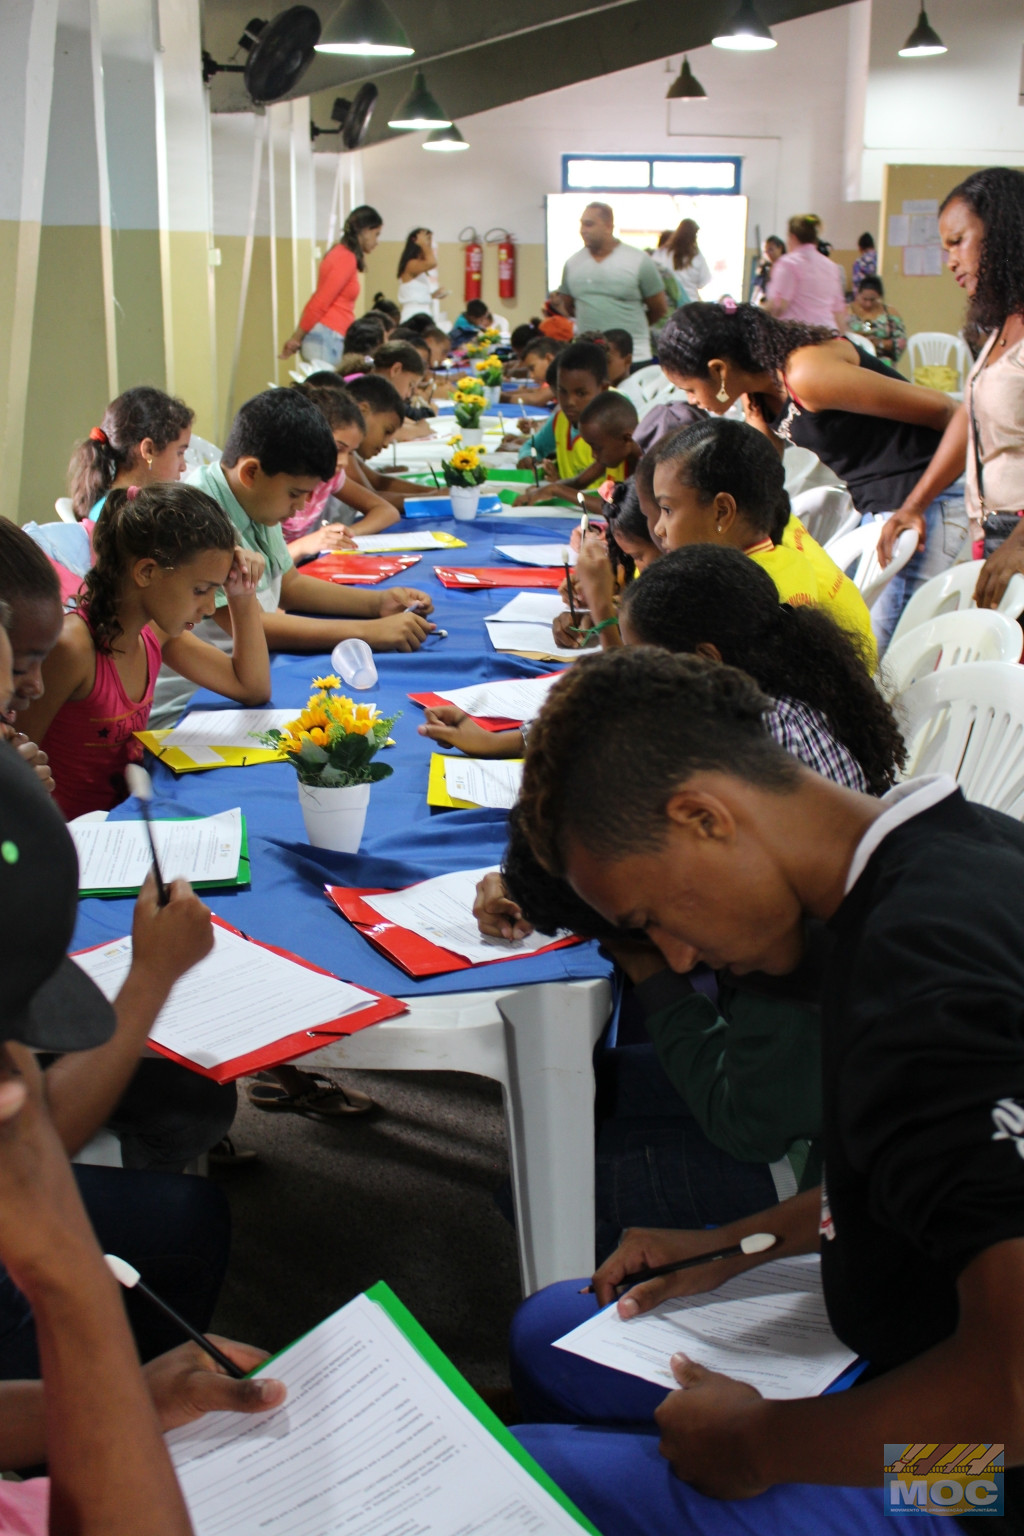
(405, 1194)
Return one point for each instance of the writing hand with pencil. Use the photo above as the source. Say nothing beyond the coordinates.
(186, 1383)
(646, 1250)
(497, 915)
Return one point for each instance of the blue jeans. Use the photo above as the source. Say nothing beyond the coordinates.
(947, 541)
(175, 1230)
(322, 345)
(655, 1166)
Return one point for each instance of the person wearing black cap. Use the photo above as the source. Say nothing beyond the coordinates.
(95, 1418)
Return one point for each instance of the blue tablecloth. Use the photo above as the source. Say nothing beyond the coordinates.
(404, 840)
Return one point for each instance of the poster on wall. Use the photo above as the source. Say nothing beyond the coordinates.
(916, 232)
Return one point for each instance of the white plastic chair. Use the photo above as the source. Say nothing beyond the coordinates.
(951, 591)
(969, 722)
(931, 349)
(953, 639)
(62, 507)
(199, 451)
(856, 553)
(826, 512)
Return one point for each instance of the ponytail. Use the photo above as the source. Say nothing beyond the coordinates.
(363, 217)
(168, 523)
(112, 446)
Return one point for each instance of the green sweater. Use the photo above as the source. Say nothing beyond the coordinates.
(749, 1070)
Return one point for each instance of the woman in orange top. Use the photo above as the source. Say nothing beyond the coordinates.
(320, 333)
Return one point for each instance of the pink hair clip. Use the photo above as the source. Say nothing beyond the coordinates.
(728, 304)
(132, 492)
(606, 490)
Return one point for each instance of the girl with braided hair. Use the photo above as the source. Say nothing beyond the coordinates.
(140, 441)
(161, 554)
(982, 227)
(810, 386)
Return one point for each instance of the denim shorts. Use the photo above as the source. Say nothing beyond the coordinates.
(322, 345)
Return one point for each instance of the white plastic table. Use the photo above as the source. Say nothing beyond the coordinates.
(538, 1043)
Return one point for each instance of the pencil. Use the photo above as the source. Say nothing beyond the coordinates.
(568, 584)
(533, 462)
(130, 1279)
(757, 1242)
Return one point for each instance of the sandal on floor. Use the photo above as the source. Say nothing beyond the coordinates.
(226, 1155)
(323, 1100)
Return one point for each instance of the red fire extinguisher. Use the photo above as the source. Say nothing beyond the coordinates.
(506, 262)
(473, 257)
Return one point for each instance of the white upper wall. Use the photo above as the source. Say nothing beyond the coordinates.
(957, 108)
(784, 111)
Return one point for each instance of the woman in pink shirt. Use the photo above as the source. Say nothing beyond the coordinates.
(320, 333)
(806, 286)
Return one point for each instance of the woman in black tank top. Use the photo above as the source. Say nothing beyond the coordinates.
(813, 387)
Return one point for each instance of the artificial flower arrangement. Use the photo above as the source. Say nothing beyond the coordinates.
(464, 468)
(491, 370)
(470, 384)
(469, 406)
(483, 342)
(333, 742)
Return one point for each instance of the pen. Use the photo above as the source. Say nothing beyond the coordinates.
(568, 584)
(533, 463)
(757, 1242)
(433, 471)
(585, 519)
(141, 786)
(129, 1277)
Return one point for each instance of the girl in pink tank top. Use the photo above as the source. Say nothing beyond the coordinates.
(162, 555)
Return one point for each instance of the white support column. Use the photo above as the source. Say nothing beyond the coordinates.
(28, 30)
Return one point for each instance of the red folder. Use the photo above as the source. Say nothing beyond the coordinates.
(416, 955)
(358, 570)
(484, 576)
(488, 722)
(288, 1046)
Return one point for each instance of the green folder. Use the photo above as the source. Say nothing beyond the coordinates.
(508, 497)
(523, 476)
(384, 1296)
(243, 877)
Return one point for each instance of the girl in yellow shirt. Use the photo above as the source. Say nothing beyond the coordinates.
(721, 482)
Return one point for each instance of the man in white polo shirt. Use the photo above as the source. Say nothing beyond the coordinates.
(609, 285)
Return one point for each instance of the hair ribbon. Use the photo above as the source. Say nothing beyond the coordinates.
(132, 492)
(97, 435)
(728, 304)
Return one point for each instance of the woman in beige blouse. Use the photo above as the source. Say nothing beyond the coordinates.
(982, 227)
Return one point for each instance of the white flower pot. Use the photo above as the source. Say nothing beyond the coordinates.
(493, 394)
(472, 437)
(335, 817)
(465, 500)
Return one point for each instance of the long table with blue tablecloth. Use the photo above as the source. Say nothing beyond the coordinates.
(529, 1023)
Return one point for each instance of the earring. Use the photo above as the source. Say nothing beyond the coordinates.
(718, 527)
(149, 463)
(723, 393)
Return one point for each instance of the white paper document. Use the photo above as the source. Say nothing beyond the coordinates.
(204, 730)
(899, 229)
(494, 783)
(517, 698)
(441, 910)
(530, 608)
(537, 554)
(767, 1327)
(382, 543)
(536, 639)
(240, 999)
(370, 1442)
(115, 855)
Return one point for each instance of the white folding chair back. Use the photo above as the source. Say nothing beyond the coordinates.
(969, 722)
(938, 349)
(856, 553)
(62, 507)
(199, 451)
(953, 639)
(951, 591)
(826, 512)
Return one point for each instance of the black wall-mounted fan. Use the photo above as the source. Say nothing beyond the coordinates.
(280, 52)
(352, 117)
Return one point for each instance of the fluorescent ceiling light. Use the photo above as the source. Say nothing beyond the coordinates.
(923, 41)
(419, 109)
(365, 27)
(746, 33)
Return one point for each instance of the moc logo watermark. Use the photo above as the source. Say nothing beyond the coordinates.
(962, 1479)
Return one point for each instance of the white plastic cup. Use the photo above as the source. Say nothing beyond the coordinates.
(353, 661)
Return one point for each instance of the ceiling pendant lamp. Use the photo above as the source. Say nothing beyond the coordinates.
(686, 87)
(419, 109)
(746, 33)
(923, 41)
(445, 140)
(367, 28)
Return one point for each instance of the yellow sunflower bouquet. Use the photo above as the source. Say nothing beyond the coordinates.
(469, 407)
(464, 468)
(491, 370)
(333, 742)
